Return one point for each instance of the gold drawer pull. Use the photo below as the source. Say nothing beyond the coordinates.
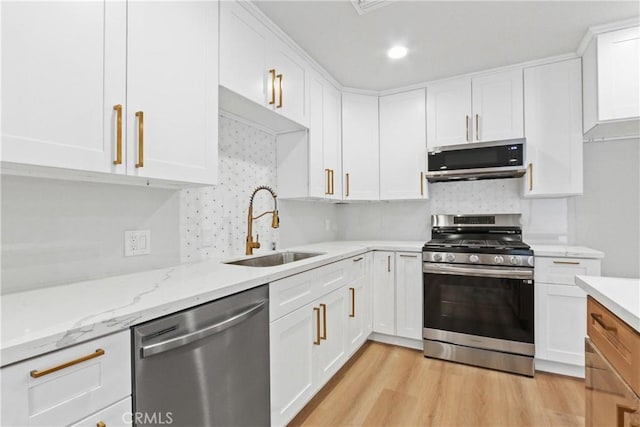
(353, 302)
(477, 127)
(422, 183)
(140, 116)
(358, 259)
(530, 176)
(118, 109)
(37, 374)
(467, 131)
(273, 86)
(347, 179)
(332, 182)
(317, 311)
(598, 319)
(324, 321)
(101, 424)
(567, 262)
(328, 171)
(389, 264)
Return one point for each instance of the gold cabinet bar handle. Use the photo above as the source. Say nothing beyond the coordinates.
(140, 116)
(422, 183)
(317, 311)
(118, 109)
(530, 176)
(389, 264)
(408, 256)
(332, 182)
(477, 127)
(101, 424)
(328, 172)
(324, 321)
(346, 194)
(37, 374)
(567, 262)
(467, 127)
(273, 86)
(353, 302)
(279, 76)
(598, 319)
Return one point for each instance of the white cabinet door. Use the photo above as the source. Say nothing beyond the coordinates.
(403, 146)
(244, 43)
(119, 414)
(409, 295)
(359, 308)
(619, 74)
(333, 140)
(553, 118)
(449, 113)
(292, 353)
(561, 324)
(332, 351)
(173, 80)
(63, 71)
(360, 153)
(319, 177)
(291, 78)
(498, 106)
(384, 302)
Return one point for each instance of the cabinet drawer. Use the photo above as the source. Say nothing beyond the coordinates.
(91, 376)
(355, 267)
(562, 271)
(118, 414)
(617, 341)
(293, 292)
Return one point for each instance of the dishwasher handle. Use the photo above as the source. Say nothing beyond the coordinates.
(183, 340)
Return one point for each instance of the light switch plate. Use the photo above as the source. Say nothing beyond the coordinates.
(137, 242)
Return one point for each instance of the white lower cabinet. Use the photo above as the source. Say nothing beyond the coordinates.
(560, 314)
(310, 343)
(67, 386)
(397, 294)
(118, 414)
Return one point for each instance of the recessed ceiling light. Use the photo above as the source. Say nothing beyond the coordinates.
(397, 52)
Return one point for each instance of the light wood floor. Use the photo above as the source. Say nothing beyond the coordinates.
(395, 386)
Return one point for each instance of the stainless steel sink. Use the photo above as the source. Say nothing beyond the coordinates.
(275, 259)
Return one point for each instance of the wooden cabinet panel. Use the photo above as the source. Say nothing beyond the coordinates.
(618, 342)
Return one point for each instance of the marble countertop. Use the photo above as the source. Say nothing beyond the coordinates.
(621, 296)
(43, 320)
(565, 251)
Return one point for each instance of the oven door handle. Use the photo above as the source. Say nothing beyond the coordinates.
(470, 270)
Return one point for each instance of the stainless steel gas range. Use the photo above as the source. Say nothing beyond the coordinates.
(478, 292)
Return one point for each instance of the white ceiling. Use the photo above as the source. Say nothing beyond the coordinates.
(444, 38)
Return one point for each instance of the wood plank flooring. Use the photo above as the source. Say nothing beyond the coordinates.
(384, 385)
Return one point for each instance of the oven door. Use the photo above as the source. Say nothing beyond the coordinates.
(479, 306)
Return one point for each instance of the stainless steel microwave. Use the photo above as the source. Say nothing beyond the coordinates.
(483, 160)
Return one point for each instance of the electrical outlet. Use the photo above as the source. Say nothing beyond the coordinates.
(137, 242)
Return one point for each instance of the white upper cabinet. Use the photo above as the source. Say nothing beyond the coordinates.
(103, 87)
(485, 108)
(256, 64)
(360, 156)
(63, 71)
(172, 80)
(403, 146)
(309, 165)
(449, 113)
(553, 118)
(611, 78)
(497, 106)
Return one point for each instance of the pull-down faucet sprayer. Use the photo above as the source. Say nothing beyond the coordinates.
(275, 221)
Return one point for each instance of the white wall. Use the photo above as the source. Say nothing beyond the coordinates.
(607, 216)
(57, 232)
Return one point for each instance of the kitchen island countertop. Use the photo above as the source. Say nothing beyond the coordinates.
(620, 295)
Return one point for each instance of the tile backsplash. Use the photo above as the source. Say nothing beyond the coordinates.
(475, 197)
(213, 220)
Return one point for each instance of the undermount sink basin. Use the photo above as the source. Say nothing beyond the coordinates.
(275, 259)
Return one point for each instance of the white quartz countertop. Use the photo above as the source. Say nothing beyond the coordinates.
(621, 296)
(565, 251)
(43, 320)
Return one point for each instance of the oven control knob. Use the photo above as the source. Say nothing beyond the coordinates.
(437, 257)
(451, 257)
(474, 259)
(530, 261)
(498, 260)
(514, 260)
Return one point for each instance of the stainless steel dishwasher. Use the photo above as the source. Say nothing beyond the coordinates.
(206, 366)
